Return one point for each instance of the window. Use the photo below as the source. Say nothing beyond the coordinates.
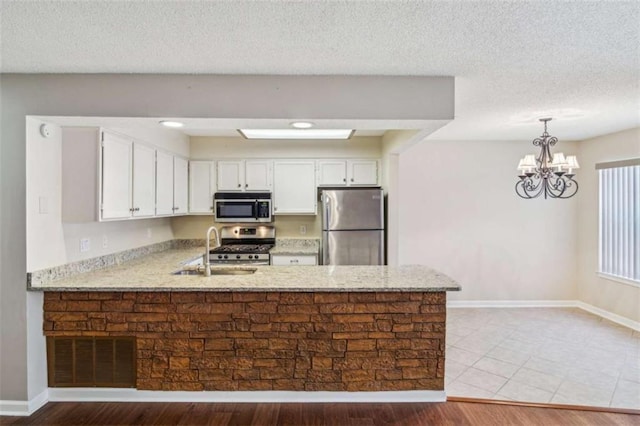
(619, 212)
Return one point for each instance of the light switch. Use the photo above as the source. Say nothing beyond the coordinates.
(43, 207)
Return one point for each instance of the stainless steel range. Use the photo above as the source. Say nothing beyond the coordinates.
(244, 245)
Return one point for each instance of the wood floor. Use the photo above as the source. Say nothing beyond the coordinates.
(449, 413)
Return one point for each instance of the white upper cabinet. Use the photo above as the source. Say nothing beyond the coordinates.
(144, 181)
(332, 172)
(128, 178)
(258, 175)
(109, 176)
(363, 172)
(116, 184)
(202, 186)
(180, 186)
(249, 175)
(348, 173)
(230, 175)
(294, 187)
(164, 184)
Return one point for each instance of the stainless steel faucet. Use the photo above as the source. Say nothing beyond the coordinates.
(207, 256)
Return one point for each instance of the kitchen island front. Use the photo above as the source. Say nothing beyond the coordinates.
(290, 328)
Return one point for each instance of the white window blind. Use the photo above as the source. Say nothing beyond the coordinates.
(619, 208)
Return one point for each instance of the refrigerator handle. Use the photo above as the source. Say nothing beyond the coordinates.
(325, 248)
(327, 210)
(326, 203)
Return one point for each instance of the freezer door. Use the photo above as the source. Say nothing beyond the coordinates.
(345, 209)
(353, 247)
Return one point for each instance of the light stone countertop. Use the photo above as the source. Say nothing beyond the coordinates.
(154, 273)
(296, 246)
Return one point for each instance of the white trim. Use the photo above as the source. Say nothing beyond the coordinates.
(511, 304)
(634, 325)
(618, 319)
(24, 408)
(618, 279)
(134, 395)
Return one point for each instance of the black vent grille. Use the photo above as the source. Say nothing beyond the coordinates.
(91, 361)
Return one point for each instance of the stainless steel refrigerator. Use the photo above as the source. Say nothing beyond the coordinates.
(353, 226)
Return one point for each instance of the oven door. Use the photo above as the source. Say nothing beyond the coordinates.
(242, 210)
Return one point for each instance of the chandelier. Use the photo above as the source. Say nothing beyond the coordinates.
(547, 174)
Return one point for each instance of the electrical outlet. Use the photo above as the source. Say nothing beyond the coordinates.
(303, 229)
(149, 233)
(105, 242)
(85, 245)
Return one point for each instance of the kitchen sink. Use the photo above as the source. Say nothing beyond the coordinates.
(217, 270)
(232, 271)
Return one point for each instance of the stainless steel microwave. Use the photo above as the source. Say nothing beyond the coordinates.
(250, 207)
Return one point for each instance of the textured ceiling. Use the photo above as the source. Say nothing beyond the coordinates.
(514, 62)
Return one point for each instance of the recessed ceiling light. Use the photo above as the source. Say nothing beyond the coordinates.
(296, 133)
(172, 124)
(302, 124)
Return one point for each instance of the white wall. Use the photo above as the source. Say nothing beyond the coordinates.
(612, 296)
(50, 242)
(45, 237)
(460, 214)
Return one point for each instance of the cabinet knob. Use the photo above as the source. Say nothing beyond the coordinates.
(211, 208)
(137, 209)
(344, 180)
(239, 186)
(131, 209)
(275, 209)
(351, 179)
(246, 185)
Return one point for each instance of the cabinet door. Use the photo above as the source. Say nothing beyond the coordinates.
(294, 187)
(180, 186)
(332, 173)
(363, 172)
(258, 175)
(164, 184)
(201, 186)
(293, 260)
(144, 181)
(230, 176)
(116, 177)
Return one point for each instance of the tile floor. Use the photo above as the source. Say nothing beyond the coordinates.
(549, 355)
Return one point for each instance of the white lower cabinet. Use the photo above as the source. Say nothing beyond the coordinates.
(294, 187)
(294, 260)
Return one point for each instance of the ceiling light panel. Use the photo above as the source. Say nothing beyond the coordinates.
(296, 133)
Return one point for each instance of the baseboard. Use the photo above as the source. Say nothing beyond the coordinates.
(634, 325)
(134, 395)
(24, 408)
(511, 304)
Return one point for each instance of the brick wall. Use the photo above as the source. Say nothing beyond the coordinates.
(266, 340)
